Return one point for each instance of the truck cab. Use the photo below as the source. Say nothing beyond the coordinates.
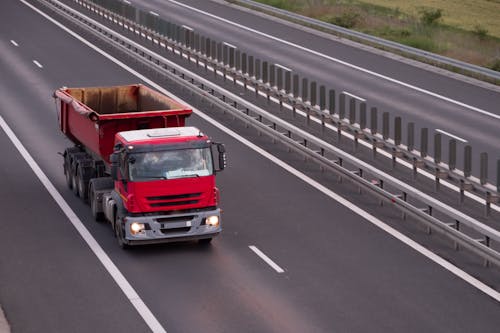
(164, 186)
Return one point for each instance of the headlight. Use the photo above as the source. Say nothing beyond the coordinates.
(136, 228)
(212, 221)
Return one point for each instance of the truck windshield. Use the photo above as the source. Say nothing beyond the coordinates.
(170, 164)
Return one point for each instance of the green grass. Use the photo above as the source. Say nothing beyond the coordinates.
(465, 30)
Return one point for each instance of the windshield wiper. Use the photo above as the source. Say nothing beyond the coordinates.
(186, 176)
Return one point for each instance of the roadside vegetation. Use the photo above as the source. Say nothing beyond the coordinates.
(465, 30)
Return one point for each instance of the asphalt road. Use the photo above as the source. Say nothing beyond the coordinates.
(419, 95)
(341, 273)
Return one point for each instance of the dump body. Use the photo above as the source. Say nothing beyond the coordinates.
(137, 164)
(90, 117)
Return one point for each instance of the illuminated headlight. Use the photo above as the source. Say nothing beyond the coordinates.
(136, 228)
(212, 221)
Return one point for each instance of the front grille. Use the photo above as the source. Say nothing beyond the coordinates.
(174, 197)
(175, 230)
(175, 219)
(174, 200)
(174, 203)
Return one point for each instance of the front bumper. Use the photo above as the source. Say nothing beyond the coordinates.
(172, 228)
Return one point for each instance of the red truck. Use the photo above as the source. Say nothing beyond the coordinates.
(138, 166)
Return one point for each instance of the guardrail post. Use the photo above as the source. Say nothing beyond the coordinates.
(219, 51)
(265, 72)
(244, 63)
(313, 98)
(295, 85)
(272, 75)
(213, 56)
(411, 136)
(322, 98)
(342, 111)
(397, 131)
(397, 140)
(295, 88)
(231, 58)
(362, 115)
(213, 49)
(305, 85)
(258, 75)
(374, 128)
(191, 40)
(452, 154)
(322, 107)
(352, 111)
(467, 161)
(385, 125)
(424, 132)
(251, 66)
(225, 56)
(288, 82)
(352, 119)
(331, 101)
(342, 106)
(203, 46)
(280, 86)
(279, 80)
(437, 148)
(374, 120)
(437, 159)
(208, 49)
(238, 60)
(483, 168)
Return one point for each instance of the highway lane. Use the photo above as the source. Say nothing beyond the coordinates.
(340, 273)
(477, 129)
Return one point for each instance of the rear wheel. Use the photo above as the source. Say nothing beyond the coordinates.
(68, 157)
(83, 175)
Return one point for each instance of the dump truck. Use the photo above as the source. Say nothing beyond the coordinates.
(137, 164)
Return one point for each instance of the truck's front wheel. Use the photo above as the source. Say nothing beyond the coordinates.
(120, 234)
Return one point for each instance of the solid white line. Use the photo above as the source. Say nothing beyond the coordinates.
(266, 259)
(187, 28)
(153, 13)
(127, 2)
(115, 273)
(451, 135)
(354, 96)
(14, 42)
(230, 45)
(37, 63)
(361, 69)
(281, 66)
(396, 234)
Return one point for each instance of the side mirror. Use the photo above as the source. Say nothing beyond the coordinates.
(222, 156)
(114, 158)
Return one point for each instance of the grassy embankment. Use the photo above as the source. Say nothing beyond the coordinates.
(465, 30)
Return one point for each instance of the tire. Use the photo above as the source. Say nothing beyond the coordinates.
(119, 233)
(98, 216)
(98, 184)
(68, 157)
(84, 174)
(74, 175)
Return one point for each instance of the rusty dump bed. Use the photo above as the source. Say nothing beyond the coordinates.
(91, 116)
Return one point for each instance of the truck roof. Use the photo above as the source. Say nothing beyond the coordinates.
(162, 134)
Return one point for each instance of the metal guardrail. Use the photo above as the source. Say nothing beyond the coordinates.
(348, 114)
(387, 44)
(318, 150)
